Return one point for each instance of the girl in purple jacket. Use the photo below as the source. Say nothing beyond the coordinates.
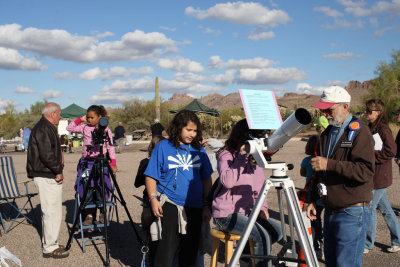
(239, 188)
(90, 152)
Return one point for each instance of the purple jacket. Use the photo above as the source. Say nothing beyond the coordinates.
(240, 185)
(87, 129)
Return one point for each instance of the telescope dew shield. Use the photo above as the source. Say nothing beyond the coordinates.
(290, 127)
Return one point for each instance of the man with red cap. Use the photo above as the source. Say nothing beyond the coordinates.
(344, 179)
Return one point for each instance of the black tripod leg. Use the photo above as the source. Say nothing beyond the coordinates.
(121, 198)
(104, 209)
(81, 208)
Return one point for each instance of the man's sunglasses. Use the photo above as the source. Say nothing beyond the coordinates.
(329, 110)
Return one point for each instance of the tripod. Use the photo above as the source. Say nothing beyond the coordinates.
(103, 162)
(281, 182)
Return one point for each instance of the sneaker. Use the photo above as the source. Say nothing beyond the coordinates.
(88, 220)
(366, 251)
(393, 249)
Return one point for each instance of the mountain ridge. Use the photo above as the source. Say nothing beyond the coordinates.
(291, 100)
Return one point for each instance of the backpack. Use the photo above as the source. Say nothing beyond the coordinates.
(215, 189)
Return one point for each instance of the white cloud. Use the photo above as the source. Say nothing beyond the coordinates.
(113, 73)
(305, 88)
(247, 13)
(358, 9)
(189, 77)
(382, 31)
(350, 3)
(66, 75)
(146, 84)
(337, 82)
(343, 56)
(201, 88)
(168, 29)
(208, 30)
(333, 45)
(262, 36)
(24, 90)
(110, 99)
(63, 45)
(51, 94)
(102, 35)
(344, 24)
(4, 103)
(180, 64)
(269, 75)
(10, 59)
(329, 12)
(374, 22)
(216, 62)
(225, 79)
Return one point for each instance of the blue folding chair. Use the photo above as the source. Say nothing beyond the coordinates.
(9, 192)
(112, 207)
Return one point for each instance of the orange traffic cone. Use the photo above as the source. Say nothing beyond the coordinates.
(308, 226)
(301, 257)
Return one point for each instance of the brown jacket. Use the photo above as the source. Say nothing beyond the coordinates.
(350, 170)
(383, 158)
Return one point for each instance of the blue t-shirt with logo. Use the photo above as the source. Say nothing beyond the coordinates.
(179, 172)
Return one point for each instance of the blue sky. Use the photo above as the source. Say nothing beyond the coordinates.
(107, 52)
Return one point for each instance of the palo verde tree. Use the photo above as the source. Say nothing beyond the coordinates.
(387, 84)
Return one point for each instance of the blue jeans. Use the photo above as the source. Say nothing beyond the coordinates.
(381, 202)
(264, 233)
(344, 234)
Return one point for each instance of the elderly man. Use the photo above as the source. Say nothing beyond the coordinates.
(344, 171)
(45, 166)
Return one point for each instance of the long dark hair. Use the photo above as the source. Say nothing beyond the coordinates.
(377, 105)
(154, 141)
(239, 135)
(181, 119)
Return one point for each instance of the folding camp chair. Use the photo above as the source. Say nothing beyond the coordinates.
(9, 192)
(112, 207)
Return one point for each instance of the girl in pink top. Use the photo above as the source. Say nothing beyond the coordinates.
(239, 188)
(90, 152)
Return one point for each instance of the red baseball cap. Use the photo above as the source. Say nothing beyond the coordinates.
(332, 95)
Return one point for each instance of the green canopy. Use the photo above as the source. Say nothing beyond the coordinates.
(73, 111)
(197, 107)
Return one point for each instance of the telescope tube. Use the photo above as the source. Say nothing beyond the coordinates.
(290, 127)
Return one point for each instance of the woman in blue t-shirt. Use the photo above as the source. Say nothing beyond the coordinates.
(178, 179)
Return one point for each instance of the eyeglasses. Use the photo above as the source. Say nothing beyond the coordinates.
(329, 110)
(369, 111)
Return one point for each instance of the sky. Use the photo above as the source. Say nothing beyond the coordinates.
(109, 52)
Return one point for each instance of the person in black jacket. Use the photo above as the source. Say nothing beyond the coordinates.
(45, 165)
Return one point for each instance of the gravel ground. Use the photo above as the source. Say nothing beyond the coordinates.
(24, 239)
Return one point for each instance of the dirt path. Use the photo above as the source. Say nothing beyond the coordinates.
(24, 240)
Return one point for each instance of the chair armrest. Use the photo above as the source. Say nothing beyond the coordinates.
(26, 181)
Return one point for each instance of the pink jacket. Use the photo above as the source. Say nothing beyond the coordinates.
(88, 150)
(240, 186)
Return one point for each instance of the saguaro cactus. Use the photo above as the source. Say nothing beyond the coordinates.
(157, 101)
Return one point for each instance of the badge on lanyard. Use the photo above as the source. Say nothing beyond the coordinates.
(353, 126)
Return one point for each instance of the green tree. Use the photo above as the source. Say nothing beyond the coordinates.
(9, 122)
(387, 84)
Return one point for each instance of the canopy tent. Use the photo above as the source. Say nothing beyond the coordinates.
(198, 107)
(73, 111)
